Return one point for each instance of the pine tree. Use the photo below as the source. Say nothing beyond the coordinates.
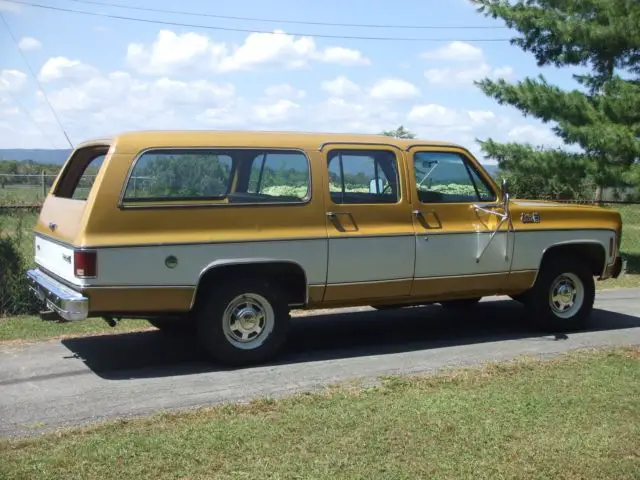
(601, 116)
(399, 132)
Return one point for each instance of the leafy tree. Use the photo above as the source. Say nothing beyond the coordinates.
(399, 132)
(601, 117)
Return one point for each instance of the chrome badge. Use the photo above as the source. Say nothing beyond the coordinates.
(532, 217)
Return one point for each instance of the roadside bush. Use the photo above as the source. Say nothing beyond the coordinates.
(15, 297)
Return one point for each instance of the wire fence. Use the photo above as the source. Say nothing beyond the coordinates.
(26, 192)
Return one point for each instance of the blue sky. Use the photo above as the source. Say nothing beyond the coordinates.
(104, 75)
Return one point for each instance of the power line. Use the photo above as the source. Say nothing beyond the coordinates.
(15, 41)
(245, 30)
(298, 22)
(26, 112)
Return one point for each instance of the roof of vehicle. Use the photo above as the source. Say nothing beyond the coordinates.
(133, 141)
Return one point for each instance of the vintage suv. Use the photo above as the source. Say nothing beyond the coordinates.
(226, 232)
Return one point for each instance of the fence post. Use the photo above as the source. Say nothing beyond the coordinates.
(44, 185)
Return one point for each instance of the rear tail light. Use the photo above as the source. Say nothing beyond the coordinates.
(85, 263)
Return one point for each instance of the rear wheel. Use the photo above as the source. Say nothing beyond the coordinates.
(461, 303)
(243, 322)
(563, 295)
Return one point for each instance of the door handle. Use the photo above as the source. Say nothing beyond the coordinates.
(418, 213)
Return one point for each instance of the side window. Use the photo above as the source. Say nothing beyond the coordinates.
(180, 175)
(79, 173)
(236, 175)
(363, 176)
(446, 177)
(279, 176)
(85, 183)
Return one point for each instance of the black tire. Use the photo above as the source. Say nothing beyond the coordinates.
(226, 348)
(462, 303)
(173, 325)
(539, 303)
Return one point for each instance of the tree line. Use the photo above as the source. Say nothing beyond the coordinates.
(597, 122)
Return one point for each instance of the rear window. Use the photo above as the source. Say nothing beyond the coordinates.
(229, 175)
(80, 172)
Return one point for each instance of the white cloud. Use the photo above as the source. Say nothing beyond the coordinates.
(462, 76)
(29, 43)
(344, 56)
(455, 51)
(339, 115)
(433, 115)
(9, 7)
(535, 135)
(13, 80)
(107, 92)
(285, 91)
(101, 29)
(480, 117)
(62, 68)
(394, 89)
(278, 112)
(181, 53)
(340, 86)
(171, 52)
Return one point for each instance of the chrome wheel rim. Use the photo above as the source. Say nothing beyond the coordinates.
(248, 320)
(566, 295)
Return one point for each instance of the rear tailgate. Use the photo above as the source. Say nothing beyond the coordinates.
(59, 224)
(61, 219)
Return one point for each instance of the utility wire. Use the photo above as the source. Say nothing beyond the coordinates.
(246, 30)
(26, 112)
(298, 22)
(6, 24)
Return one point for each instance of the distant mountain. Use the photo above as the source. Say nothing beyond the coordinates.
(38, 155)
(59, 156)
(492, 169)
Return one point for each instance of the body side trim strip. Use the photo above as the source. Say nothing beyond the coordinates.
(297, 239)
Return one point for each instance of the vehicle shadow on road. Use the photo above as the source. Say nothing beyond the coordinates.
(320, 337)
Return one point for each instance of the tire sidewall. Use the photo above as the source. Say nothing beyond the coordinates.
(537, 300)
(209, 319)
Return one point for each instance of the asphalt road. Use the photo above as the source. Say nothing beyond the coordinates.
(54, 384)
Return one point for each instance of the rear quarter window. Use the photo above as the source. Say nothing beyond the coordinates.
(219, 175)
(80, 172)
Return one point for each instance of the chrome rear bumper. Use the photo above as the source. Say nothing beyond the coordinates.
(66, 302)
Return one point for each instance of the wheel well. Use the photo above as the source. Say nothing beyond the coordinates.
(289, 277)
(593, 254)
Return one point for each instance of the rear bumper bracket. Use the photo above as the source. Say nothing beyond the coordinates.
(66, 302)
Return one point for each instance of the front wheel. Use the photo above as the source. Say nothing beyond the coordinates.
(244, 322)
(562, 297)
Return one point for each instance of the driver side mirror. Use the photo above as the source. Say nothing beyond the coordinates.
(505, 190)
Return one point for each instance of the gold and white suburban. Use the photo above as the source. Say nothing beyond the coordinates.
(229, 231)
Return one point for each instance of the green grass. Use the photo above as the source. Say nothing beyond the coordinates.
(21, 195)
(630, 248)
(31, 328)
(574, 417)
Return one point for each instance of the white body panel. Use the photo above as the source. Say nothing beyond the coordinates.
(443, 255)
(335, 261)
(530, 246)
(370, 259)
(55, 258)
(146, 265)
